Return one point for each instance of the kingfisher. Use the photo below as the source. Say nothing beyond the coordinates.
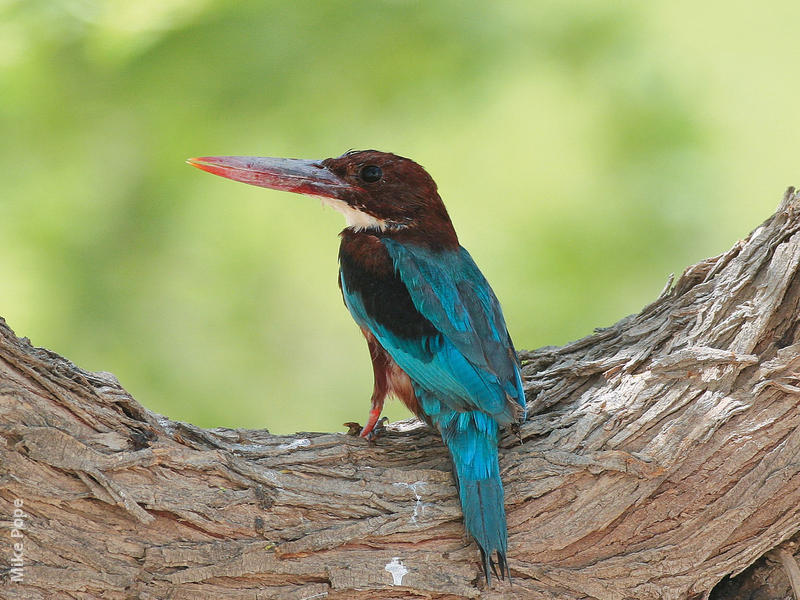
(434, 327)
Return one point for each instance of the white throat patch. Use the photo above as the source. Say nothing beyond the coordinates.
(355, 219)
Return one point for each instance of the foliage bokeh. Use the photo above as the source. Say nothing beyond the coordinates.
(585, 151)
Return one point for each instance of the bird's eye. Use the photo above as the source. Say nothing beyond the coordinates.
(371, 173)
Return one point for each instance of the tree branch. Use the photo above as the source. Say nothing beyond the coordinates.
(661, 456)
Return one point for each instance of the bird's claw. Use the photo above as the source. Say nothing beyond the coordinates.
(374, 433)
(377, 431)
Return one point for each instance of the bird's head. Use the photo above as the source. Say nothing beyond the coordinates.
(373, 190)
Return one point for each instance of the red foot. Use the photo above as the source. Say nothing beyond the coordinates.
(374, 415)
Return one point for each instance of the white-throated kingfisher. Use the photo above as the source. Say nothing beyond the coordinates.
(435, 330)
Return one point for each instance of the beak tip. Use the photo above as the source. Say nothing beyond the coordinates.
(203, 164)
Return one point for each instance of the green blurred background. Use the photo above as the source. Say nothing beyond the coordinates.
(585, 150)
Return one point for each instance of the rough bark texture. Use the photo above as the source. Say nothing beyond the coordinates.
(660, 458)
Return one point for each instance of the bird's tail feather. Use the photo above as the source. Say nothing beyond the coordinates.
(485, 519)
(472, 440)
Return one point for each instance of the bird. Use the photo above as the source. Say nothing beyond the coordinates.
(435, 330)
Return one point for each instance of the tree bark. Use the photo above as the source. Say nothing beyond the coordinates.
(661, 456)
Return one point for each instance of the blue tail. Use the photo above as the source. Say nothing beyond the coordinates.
(485, 519)
(472, 440)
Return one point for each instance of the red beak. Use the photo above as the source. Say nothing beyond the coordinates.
(288, 174)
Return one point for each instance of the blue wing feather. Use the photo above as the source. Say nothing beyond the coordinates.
(470, 364)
